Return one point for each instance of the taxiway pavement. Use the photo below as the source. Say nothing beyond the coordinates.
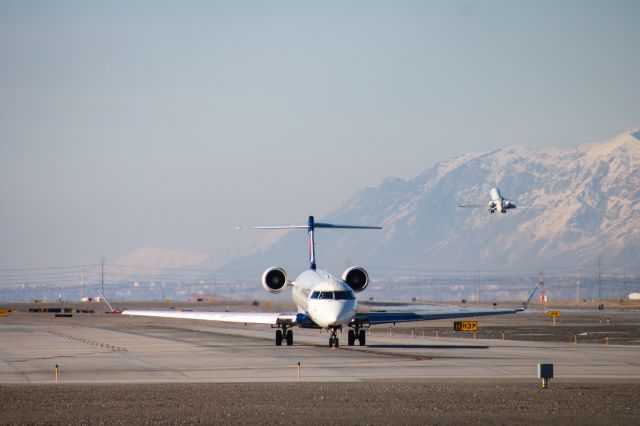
(119, 349)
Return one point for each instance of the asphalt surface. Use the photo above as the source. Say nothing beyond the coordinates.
(121, 370)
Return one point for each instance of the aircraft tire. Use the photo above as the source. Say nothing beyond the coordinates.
(278, 337)
(289, 337)
(362, 338)
(351, 338)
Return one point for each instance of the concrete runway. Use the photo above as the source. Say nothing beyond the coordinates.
(116, 349)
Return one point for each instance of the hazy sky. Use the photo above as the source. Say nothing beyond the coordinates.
(124, 124)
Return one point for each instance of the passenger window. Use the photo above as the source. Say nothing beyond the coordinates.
(326, 295)
(315, 294)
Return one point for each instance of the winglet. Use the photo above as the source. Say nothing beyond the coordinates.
(525, 305)
(105, 300)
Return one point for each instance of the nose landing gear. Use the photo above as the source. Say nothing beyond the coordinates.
(333, 339)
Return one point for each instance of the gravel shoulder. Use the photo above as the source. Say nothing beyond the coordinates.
(327, 403)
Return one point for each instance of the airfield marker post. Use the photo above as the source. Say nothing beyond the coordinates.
(437, 336)
(298, 370)
(502, 334)
(545, 372)
(412, 333)
(56, 373)
(606, 340)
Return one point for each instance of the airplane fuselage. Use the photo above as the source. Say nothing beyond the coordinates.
(326, 300)
(498, 203)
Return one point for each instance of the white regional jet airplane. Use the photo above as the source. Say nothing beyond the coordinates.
(497, 203)
(323, 301)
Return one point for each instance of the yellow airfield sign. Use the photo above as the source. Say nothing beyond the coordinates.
(553, 313)
(465, 325)
(4, 312)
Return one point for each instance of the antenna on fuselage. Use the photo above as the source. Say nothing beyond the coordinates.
(310, 227)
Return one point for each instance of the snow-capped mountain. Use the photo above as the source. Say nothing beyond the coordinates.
(574, 205)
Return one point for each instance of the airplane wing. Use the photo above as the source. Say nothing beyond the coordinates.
(435, 314)
(243, 317)
(471, 206)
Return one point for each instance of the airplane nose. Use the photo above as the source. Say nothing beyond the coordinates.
(338, 313)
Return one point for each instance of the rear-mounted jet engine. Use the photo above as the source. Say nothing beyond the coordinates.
(274, 280)
(356, 277)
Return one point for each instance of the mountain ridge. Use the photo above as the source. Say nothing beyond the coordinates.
(578, 204)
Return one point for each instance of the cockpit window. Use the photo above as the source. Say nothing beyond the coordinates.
(326, 295)
(338, 295)
(344, 295)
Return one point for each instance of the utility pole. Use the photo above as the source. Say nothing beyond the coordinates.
(477, 287)
(81, 282)
(599, 281)
(578, 284)
(543, 292)
(102, 260)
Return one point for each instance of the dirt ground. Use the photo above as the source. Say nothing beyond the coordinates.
(321, 403)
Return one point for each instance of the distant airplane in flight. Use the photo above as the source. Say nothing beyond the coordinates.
(323, 301)
(497, 203)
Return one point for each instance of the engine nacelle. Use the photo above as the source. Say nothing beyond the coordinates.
(274, 280)
(356, 278)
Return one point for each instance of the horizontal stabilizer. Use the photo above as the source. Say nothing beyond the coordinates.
(315, 225)
(278, 227)
(311, 226)
(331, 225)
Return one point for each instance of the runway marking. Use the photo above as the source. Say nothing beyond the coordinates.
(86, 341)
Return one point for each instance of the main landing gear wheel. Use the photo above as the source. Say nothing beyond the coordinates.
(285, 334)
(358, 334)
(362, 338)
